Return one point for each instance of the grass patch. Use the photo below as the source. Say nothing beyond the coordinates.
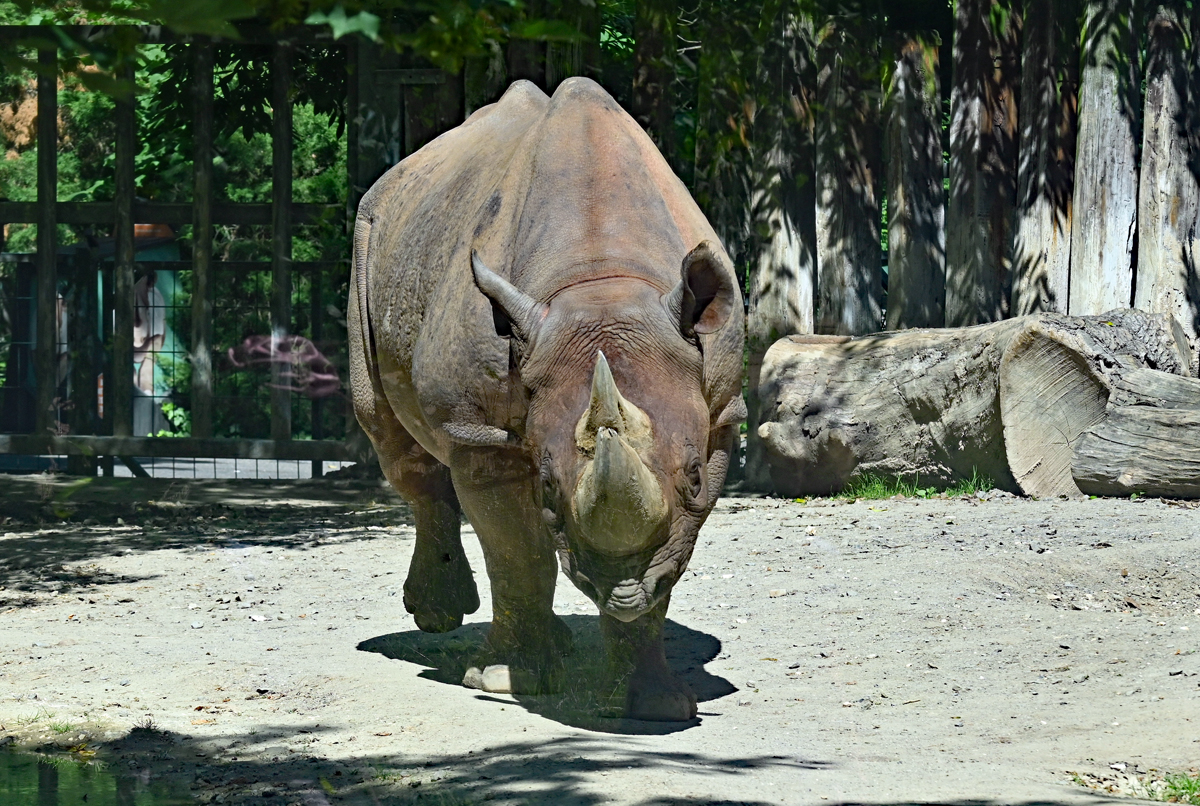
(32, 719)
(874, 487)
(1182, 788)
(60, 727)
(1179, 787)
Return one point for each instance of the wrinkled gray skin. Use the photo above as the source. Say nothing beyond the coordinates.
(545, 331)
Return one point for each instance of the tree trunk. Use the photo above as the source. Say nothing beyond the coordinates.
(1104, 223)
(1143, 450)
(725, 108)
(983, 161)
(578, 57)
(849, 256)
(916, 206)
(783, 209)
(1045, 184)
(1169, 196)
(1007, 400)
(654, 71)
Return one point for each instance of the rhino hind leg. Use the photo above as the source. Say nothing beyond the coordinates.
(636, 654)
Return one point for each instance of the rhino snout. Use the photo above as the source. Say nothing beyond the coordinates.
(619, 504)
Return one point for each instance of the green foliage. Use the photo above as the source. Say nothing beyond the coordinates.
(1182, 788)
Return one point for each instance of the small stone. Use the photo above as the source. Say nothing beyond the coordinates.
(196, 625)
(775, 594)
(473, 678)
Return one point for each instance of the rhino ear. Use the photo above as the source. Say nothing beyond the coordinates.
(704, 298)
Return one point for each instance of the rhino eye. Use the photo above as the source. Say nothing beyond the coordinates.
(550, 503)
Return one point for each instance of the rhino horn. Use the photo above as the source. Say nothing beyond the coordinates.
(608, 408)
(619, 503)
(604, 411)
(522, 311)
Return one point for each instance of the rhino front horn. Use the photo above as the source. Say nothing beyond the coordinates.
(619, 504)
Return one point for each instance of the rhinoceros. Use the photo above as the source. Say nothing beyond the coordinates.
(546, 332)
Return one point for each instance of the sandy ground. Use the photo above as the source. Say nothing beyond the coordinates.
(249, 641)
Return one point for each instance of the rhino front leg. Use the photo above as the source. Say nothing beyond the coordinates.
(636, 652)
(527, 641)
(440, 588)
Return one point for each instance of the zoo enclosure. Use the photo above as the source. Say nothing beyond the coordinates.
(72, 311)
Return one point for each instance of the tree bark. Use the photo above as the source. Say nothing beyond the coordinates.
(983, 161)
(1007, 400)
(1045, 181)
(1104, 223)
(849, 256)
(916, 201)
(1169, 195)
(654, 71)
(1143, 450)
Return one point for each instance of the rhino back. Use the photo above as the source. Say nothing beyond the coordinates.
(550, 192)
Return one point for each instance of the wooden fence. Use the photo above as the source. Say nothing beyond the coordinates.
(89, 431)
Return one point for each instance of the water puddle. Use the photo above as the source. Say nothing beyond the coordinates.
(44, 779)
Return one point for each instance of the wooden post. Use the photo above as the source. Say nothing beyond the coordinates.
(353, 131)
(46, 351)
(1104, 224)
(119, 387)
(281, 239)
(81, 323)
(983, 161)
(1168, 278)
(916, 193)
(202, 232)
(526, 58)
(653, 72)
(783, 203)
(316, 315)
(1046, 175)
(849, 256)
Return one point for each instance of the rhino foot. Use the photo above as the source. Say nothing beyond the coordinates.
(439, 594)
(660, 700)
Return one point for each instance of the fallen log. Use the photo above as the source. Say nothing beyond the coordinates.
(1142, 450)
(1007, 400)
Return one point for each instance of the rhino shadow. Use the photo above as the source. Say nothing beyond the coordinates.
(588, 698)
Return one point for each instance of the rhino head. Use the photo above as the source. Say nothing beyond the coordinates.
(631, 454)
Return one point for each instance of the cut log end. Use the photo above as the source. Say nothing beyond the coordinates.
(1049, 396)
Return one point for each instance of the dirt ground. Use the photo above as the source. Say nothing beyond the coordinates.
(247, 641)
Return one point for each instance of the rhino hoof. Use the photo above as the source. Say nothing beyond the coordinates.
(501, 679)
(438, 622)
(662, 706)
